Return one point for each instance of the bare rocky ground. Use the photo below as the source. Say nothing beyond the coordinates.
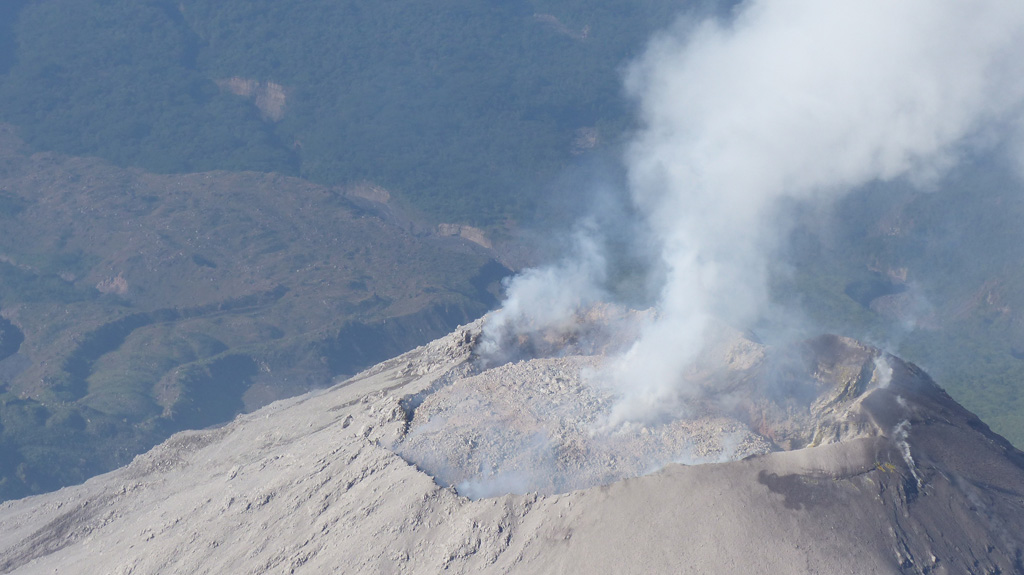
(859, 464)
(538, 426)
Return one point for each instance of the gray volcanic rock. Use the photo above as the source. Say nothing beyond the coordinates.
(864, 466)
(537, 426)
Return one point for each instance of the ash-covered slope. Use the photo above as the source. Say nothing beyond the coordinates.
(862, 465)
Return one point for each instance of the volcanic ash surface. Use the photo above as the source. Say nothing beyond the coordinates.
(541, 425)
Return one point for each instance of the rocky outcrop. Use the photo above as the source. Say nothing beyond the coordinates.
(270, 98)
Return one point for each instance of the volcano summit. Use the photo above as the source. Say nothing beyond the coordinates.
(825, 457)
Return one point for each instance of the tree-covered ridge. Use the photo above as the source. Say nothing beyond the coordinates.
(118, 80)
(465, 109)
(134, 305)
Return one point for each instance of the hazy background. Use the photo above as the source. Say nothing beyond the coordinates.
(786, 105)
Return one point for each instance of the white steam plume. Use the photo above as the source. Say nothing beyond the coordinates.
(793, 99)
(547, 298)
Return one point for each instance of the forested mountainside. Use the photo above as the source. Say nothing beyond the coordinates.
(135, 305)
(467, 110)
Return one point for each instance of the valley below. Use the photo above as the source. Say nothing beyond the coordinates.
(135, 305)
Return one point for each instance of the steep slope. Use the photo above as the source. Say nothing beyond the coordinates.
(900, 479)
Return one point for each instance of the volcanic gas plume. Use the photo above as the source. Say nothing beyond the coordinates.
(787, 100)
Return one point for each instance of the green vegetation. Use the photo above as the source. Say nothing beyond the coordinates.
(117, 80)
(466, 110)
(9, 11)
(137, 305)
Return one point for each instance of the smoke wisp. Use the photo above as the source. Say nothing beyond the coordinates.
(789, 100)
